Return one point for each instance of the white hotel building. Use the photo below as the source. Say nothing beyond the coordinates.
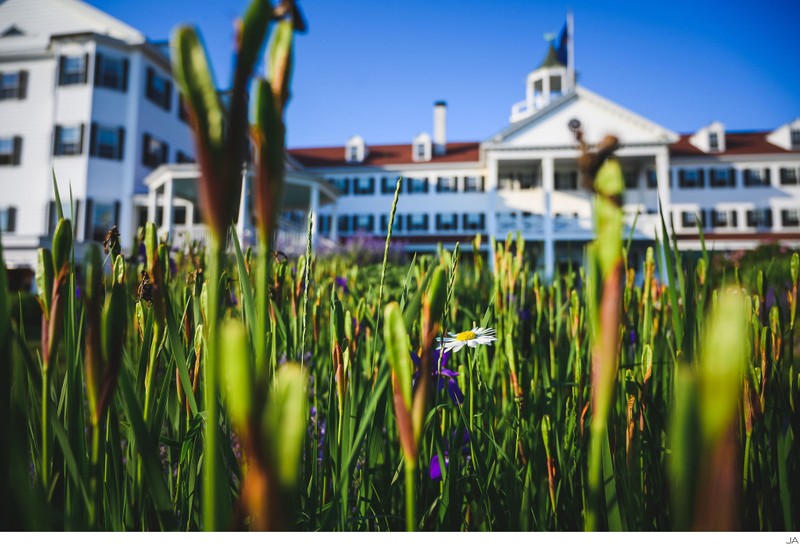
(91, 97)
(742, 186)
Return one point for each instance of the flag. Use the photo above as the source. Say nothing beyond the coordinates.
(562, 45)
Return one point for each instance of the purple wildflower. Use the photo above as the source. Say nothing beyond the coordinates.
(435, 468)
(342, 283)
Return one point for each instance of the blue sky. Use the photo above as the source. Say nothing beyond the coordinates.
(375, 67)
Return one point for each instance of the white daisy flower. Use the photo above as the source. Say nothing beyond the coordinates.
(472, 338)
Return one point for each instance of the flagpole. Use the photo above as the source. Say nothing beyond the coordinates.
(571, 50)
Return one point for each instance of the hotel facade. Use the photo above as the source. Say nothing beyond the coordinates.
(88, 96)
(740, 187)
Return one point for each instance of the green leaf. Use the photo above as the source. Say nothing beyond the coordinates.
(286, 420)
(397, 349)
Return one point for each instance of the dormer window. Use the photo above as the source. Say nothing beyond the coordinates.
(713, 142)
(422, 148)
(794, 138)
(355, 151)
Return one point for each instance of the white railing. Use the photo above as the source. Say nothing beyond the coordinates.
(521, 110)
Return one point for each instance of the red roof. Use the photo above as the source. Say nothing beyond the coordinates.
(385, 154)
(751, 142)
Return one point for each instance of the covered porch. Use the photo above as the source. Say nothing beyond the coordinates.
(173, 205)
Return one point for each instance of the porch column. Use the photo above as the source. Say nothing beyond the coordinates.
(167, 204)
(664, 192)
(548, 185)
(152, 203)
(241, 221)
(314, 209)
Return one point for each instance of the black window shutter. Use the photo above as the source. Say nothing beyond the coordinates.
(399, 219)
(51, 216)
(438, 184)
(98, 65)
(23, 84)
(17, 151)
(56, 140)
(732, 177)
(164, 153)
(681, 178)
(120, 143)
(483, 184)
(767, 173)
(85, 67)
(483, 215)
(701, 178)
(768, 217)
(168, 96)
(11, 216)
(145, 149)
(425, 190)
(116, 212)
(87, 224)
(125, 70)
(150, 74)
(61, 61)
(93, 140)
(733, 219)
(76, 217)
(80, 142)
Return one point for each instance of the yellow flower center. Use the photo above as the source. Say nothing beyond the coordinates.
(464, 336)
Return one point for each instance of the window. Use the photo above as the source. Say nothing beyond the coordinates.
(72, 69)
(352, 154)
(790, 218)
(68, 140)
(417, 222)
(8, 220)
(788, 176)
(474, 221)
(363, 187)
(388, 185)
(421, 150)
(159, 89)
(343, 224)
(363, 223)
(652, 179)
(794, 136)
(417, 186)
(106, 142)
(110, 72)
(398, 223)
(713, 142)
(759, 218)
(566, 180)
(631, 181)
(446, 222)
(102, 217)
(691, 178)
(325, 224)
(183, 157)
(473, 184)
(446, 184)
(756, 177)
(13, 85)
(689, 219)
(154, 152)
(723, 219)
(10, 150)
(722, 178)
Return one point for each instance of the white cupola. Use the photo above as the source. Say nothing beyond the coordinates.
(548, 82)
